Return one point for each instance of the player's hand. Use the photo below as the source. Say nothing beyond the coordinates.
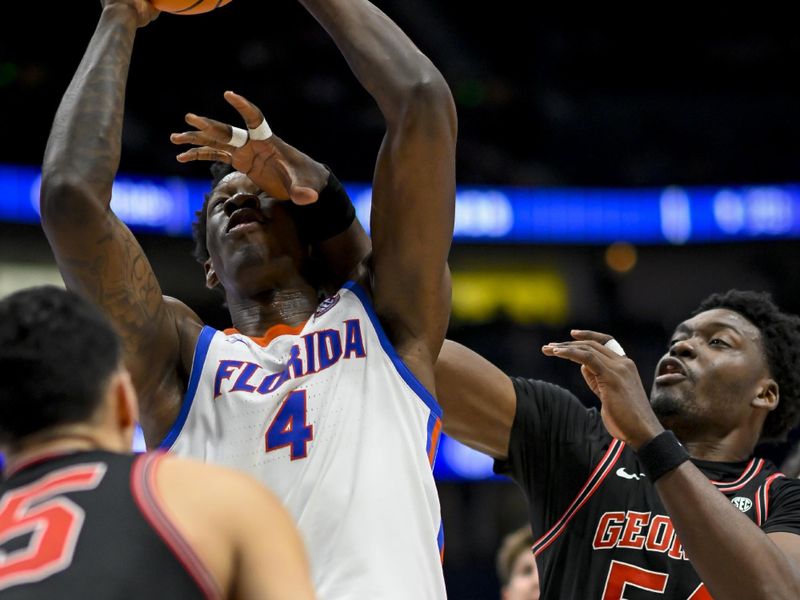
(145, 12)
(626, 409)
(277, 168)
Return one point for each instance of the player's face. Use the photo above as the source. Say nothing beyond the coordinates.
(713, 370)
(251, 238)
(524, 581)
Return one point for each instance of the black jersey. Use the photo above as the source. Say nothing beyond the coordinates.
(90, 525)
(601, 529)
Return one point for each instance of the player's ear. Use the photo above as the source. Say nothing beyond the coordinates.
(768, 395)
(126, 400)
(212, 280)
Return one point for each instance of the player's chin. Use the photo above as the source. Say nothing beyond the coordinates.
(247, 256)
(667, 402)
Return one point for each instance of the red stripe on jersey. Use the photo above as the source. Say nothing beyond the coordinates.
(744, 472)
(17, 466)
(758, 507)
(767, 484)
(145, 492)
(597, 477)
(750, 471)
(700, 593)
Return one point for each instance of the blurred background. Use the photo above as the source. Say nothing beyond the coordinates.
(614, 171)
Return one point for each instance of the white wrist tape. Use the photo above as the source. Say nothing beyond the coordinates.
(614, 346)
(262, 132)
(238, 137)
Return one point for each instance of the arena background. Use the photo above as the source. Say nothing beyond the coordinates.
(560, 108)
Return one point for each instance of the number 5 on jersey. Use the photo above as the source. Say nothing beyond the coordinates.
(289, 427)
(54, 521)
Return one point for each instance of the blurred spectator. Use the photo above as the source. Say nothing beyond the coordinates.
(516, 566)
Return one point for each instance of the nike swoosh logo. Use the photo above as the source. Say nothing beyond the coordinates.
(621, 472)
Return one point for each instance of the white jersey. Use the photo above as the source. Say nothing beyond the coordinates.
(329, 417)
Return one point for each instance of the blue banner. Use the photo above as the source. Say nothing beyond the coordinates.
(671, 215)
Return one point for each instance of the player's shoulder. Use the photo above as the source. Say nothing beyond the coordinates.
(224, 487)
(783, 485)
(181, 311)
(359, 288)
(353, 300)
(200, 474)
(527, 389)
(547, 407)
(188, 325)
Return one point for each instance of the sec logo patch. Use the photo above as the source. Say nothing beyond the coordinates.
(326, 305)
(743, 504)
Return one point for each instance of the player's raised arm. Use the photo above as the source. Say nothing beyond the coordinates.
(414, 184)
(96, 253)
(477, 398)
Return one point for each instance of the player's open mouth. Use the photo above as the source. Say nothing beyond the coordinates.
(245, 226)
(244, 219)
(670, 370)
(669, 378)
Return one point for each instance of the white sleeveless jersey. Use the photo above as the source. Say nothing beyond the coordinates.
(328, 417)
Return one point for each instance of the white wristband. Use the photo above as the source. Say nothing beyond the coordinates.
(614, 346)
(238, 137)
(262, 132)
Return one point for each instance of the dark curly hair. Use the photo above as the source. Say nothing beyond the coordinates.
(780, 333)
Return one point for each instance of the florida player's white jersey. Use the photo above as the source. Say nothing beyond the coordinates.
(329, 417)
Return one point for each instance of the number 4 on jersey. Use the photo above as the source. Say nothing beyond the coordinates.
(289, 427)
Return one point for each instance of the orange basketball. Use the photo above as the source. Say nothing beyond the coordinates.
(188, 7)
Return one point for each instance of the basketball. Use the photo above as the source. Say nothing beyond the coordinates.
(188, 7)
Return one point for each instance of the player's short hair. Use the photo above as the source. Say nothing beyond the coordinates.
(57, 352)
(512, 546)
(780, 333)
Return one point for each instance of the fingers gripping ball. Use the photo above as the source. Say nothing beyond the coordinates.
(188, 7)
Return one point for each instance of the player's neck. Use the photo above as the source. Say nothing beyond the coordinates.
(734, 447)
(64, 440)
(253, 316)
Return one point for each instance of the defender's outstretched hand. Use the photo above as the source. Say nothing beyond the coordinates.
(613, 377)
(277, 168)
